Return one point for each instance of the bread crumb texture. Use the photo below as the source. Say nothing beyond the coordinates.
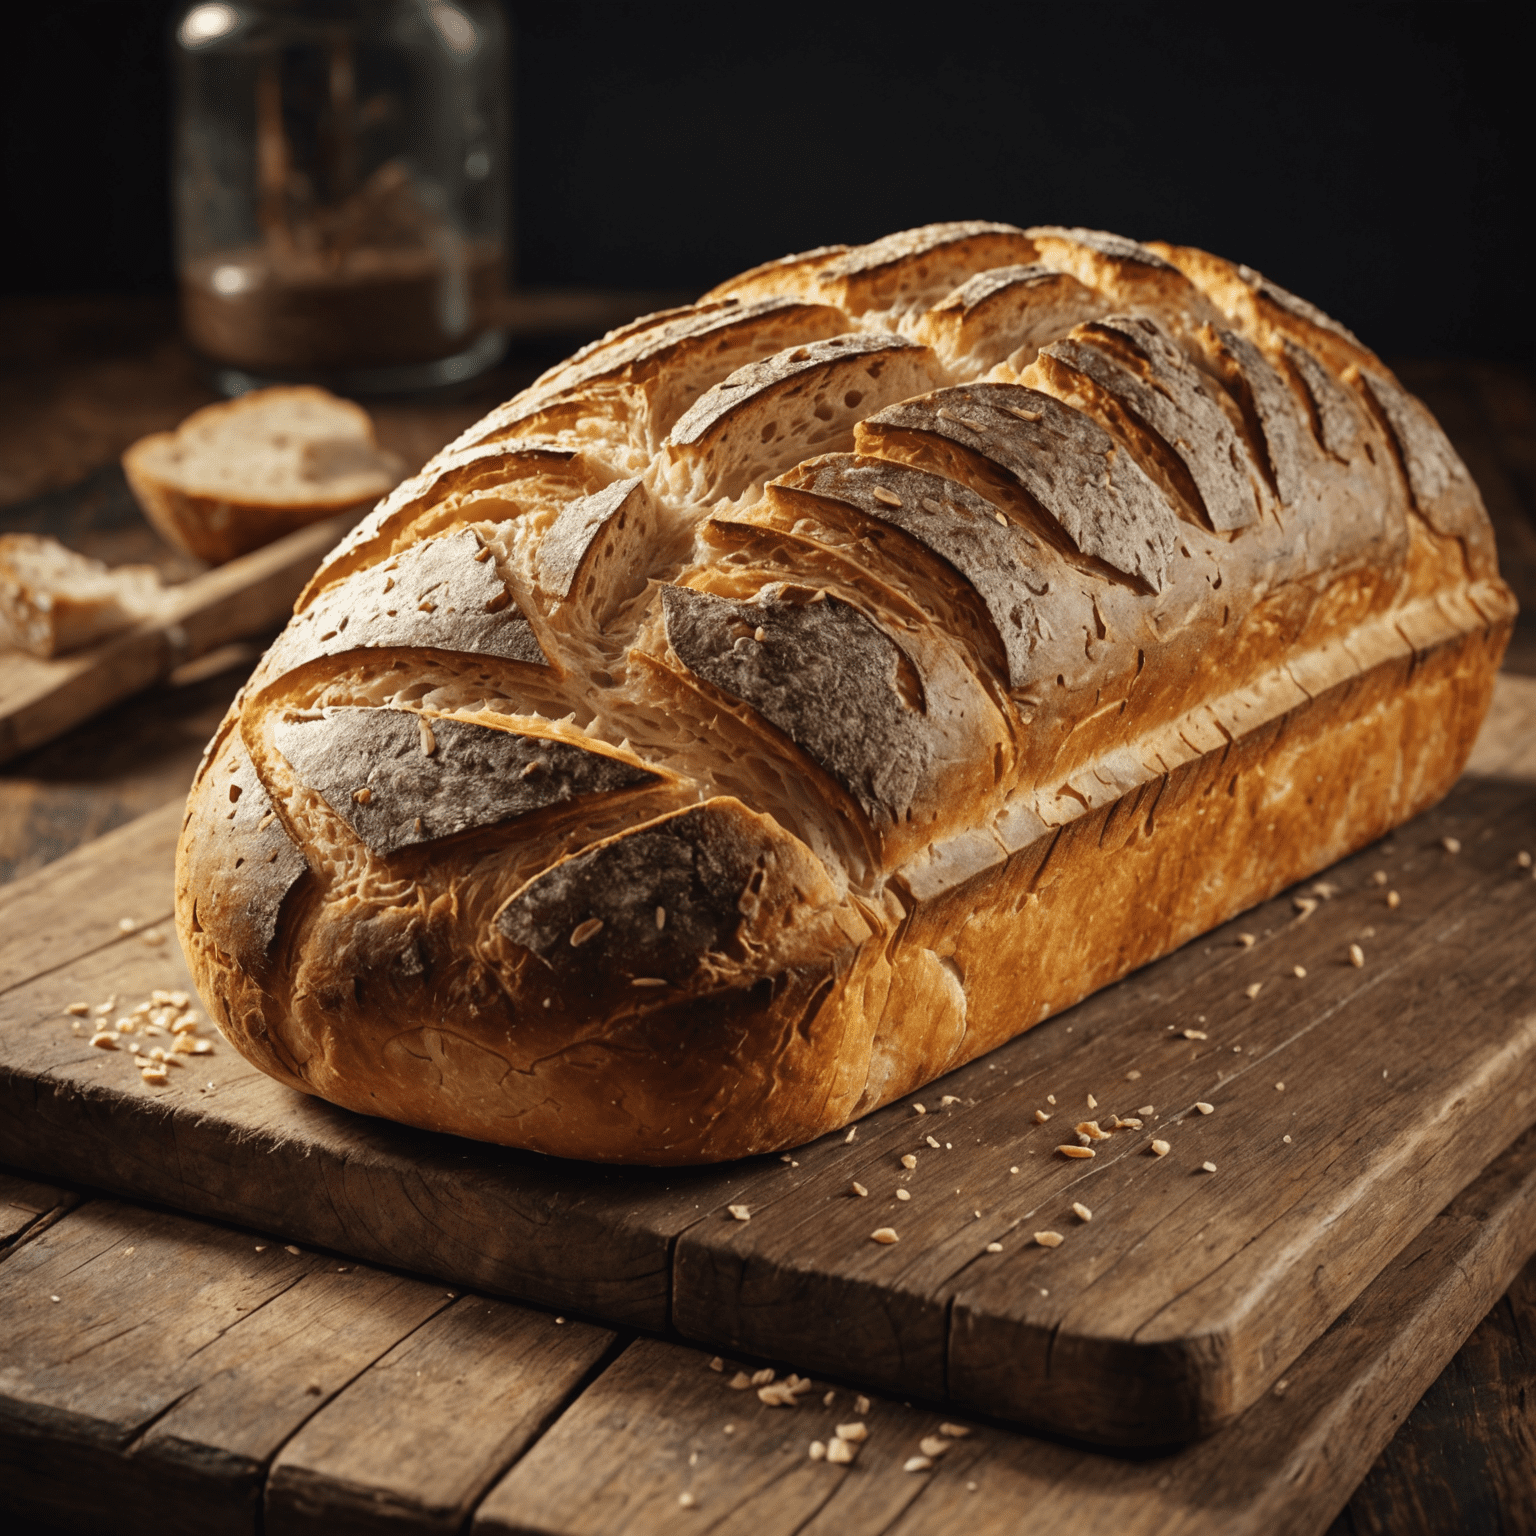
(792, 696)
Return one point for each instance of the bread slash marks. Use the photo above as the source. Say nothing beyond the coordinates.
(476, 776)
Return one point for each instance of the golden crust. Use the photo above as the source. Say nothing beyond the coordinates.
(882, 758)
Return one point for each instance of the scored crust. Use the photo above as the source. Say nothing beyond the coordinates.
(794, 695)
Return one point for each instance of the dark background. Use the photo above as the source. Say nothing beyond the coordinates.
(1376, 158)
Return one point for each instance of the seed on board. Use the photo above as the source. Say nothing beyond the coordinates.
(1247, 940)
(1451, 844)
(955, 1431)
(1092, 1130)
(106, 1040)
(1196, 1034)
(1081, 1211)
(1523, 859)
(1356, 956)
(932, 1142)
(1286, 1139)
(1132, 1075)
(932, 1445)
(840, 1451)
(586, 930)
(861, 1405)
(1279, 1087)
(155, 1074)
(919, 1109)
(740, 1212)
(948, 1099)
(818, 1450)
(908, 1160)
(858, 1189)
(917, 1464)
(1071, 1151)
(78, 1009)
(686, 1500)
(717, 1364)
(763, 1377)
(1209, 1167)
(1394, 900)
(1049, 1239)
(858, 1430)
(1204, 1108)
(1253, 990)
(853, 1131)
(1159, 1149)
(1131, 1122)
(739, 1382)
(1146, 1109)
(903, 1194)
(828, 1399)
(994, 1247)
(885, 1235)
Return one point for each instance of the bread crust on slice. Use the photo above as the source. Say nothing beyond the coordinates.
(237, 475)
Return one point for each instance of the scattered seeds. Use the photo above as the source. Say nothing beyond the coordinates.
(994, 1247)
(1199, 1034)
(1132, 1075)
(1049, 1239)
(840, 1451)
(1093, 1103)
(1523, 859)
(932, 1142)
(1451, 844)
(1209, 1167)
(916, 1464)
(1159, 1149)
(1146, 1109)
(818, 1450)
(908, 1160)
(858, 1189)
(1247, 940)
(903, 1194)
(740, 1212)
(861, 1405)
(1071, 1151)
(886, 1235)
(1092, 1130)
(1279, 1087)
(1081, 1211)
(739, 1382)
(918, 1109)
(586, 930)
(933, 1445)
(1285, 1139)
(717, 1364)
(1356, 956)
(1298, 970)
(1041, 1116)
(106, 1040)
(1204, 1108)
(763, 1377)
(853, 1131)
(948, 1099)
(1253, 990)
(686, 1500)
(1394, 900)
(955, 1431)
(858, 1430)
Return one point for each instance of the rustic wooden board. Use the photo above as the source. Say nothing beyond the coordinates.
(1183, 1299)
(653, 1429)
(153, 1366)
(41, 699)
(189, 1378)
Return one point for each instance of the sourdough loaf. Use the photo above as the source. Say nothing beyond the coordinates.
(795, 695)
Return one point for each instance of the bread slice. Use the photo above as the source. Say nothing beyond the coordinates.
(235, 476)
(53, 600)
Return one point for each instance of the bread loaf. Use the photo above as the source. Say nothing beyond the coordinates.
(54, 599)
(237, 475)
(795, 695)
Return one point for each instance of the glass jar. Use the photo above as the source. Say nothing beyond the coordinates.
(340, 190)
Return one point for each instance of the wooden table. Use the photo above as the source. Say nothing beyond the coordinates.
(81, 379)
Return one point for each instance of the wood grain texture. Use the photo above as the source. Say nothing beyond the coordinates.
(175, 1361)
(1464, 1457)
(415, 1441)
(653, 1429)
(1176, 1306)
(27, 1208)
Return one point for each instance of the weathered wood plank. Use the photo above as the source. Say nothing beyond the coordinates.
(1188, 1293)
(415, 1441)
(73, 906)
(26, 1206)
(152, 1365)
(1464, 1457)
(652, 1429)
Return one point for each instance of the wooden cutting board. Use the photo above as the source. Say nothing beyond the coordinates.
(1348, 1106)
